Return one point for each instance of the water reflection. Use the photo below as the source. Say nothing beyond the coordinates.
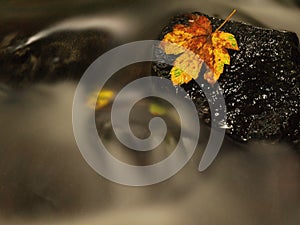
(44, 179)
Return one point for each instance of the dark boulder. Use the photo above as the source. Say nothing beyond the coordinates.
(261, 86)
(64, 55)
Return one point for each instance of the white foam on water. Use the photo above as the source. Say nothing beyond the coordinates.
(118, 25)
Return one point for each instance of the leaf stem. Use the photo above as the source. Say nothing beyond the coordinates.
(226, 20)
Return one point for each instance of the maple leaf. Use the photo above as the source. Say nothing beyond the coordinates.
(203, 45)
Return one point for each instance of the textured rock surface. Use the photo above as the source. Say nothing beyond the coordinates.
(261, 86)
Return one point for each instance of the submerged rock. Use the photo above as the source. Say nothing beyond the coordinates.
(261, 85)
(64, 55)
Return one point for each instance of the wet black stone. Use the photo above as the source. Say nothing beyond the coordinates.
(61, 56)
(261, 86)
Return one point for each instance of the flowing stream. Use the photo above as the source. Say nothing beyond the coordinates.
(45, 180)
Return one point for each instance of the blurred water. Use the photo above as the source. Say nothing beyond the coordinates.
(44, 179)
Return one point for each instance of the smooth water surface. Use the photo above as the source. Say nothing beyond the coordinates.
(45, 180)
